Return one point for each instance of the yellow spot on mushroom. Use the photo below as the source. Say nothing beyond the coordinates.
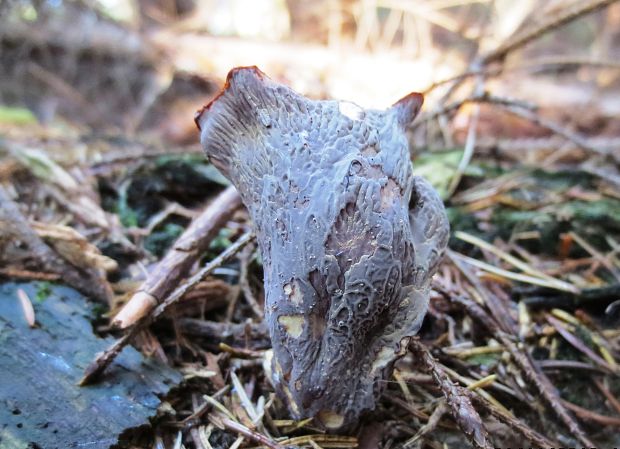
(293, 324)
(389, 194)
(330, 419)
(385, 356)
(293, 292)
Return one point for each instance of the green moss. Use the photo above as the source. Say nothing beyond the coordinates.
(187, 168)
(438, 168)
(162, 238)
(593, 220)
(221, 241)
(16, 115)
(44, 289)
(486, 360)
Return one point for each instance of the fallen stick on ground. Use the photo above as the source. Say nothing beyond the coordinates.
(525, 363)
(457, 399)
(179, 259)
(103, 360)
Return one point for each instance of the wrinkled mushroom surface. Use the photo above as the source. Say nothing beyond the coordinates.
(347, 261)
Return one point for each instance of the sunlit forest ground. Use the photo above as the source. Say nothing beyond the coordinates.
(101, 171)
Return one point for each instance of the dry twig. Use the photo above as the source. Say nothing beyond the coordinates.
(578, 9)
(96, 368)
(178, 261)
(512, 422)
(457, 399)
(239, 428)
(526, 364)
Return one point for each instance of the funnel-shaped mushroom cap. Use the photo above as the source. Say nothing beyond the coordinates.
(347, 264)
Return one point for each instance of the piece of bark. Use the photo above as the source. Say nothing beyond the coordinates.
(347, 266)
(73, 247)
(21, 248)
(41, 404)
(180, 258)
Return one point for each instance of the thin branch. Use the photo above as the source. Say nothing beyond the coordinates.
(591, 416)
(514, 423)
(248, 433)
(525, 363)
(464, 413)
(485, 97)
(180, 258)
(554, 127)
(245, 258)
(578, 9)
(478, 66)
(531, 66)
(96, 367)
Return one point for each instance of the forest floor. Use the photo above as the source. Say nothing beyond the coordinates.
(101, 175)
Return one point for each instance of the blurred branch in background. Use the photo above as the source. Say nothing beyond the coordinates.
(371, 51)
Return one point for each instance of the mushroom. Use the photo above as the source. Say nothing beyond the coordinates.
(350, 238)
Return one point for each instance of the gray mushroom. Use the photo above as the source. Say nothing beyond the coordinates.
(349, 237)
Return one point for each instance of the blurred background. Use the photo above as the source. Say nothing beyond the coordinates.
(519, 133)
(145, 65)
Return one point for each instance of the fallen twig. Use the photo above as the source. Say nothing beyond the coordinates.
(525, 363)
(479, 66)
(512, 422)
(484, 97)
(530, 66)
(245, 257)
(591, 416)
(217, 332)
(430, 426)
(457, 399)
(554, 127)
(578, 344)
(177, 262)
(103, 360)
(239, 428)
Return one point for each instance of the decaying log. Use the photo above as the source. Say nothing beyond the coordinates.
(347, 265)
(41, 405)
